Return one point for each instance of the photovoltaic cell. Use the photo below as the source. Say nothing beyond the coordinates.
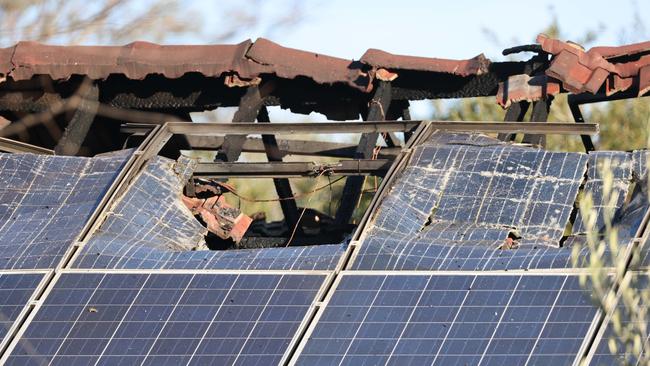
(451, 320)
(603, 355)
(395, 252)
(167, 319)
(150, 228)
(16, 290)
(620, 165)
(456, 203)
(45, 202)
(526, 189)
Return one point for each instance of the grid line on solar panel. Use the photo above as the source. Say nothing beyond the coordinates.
(132, 235)
(17, 290)
(450, 319)
(94, 317)
(455, 206)
(620, 165)
(600, 354)
(45, 202)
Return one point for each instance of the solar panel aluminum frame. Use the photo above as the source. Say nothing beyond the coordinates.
(33, 302)
(13, 146)
(591, 332)
(54, 277)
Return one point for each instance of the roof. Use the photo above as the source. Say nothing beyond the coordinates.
(247, 59)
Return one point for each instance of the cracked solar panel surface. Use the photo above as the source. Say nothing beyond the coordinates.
(393, 251)
(16, 290)
(164, 318)
(619, 164)
(451, 320)
(150, 228)
(454, 206)
(45, 202)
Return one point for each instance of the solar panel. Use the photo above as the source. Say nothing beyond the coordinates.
(439, 319)
(150, 228)
(167, 318)
(45, 202)
(640, 164)
(528, 189)
(602, 354)
(395, 252)
(621, 169)
(455, 206)
(16, 290)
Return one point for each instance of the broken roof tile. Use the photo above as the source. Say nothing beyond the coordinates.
(381, 59)
(290, 63)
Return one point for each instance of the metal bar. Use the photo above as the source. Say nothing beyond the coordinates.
(13, 146)
(292, 169)
(282, 185)
(515, 113)
(212, 129)
(79, 125)
(290, 147)
(378, 107)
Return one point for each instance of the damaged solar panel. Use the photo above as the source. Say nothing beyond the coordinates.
(45, 202)
(149, 227)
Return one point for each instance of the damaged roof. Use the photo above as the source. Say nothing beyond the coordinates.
(471, 251)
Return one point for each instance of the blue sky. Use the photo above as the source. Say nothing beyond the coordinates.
(450, 28)
(445, 29)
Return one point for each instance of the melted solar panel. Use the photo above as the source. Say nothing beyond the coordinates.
(455, 205)
(150, 228)
(45, 202)
(395, 252)
(640, 163)
(16, 290)
(167, 318)
(451, 320)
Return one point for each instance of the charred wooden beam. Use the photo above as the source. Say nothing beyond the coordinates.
(79, 125)
(249, 108)
(362, 167)
(377, 110)
(577, 116)
(539, 114)
(515, 113)
(282, 185)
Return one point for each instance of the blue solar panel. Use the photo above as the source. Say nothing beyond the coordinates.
(167, 318)
(150, 228)
(395, 252)
(603, 355)
(45, 202)
(455, 206)
(451, 320)
(16, 290)
(620, 164)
